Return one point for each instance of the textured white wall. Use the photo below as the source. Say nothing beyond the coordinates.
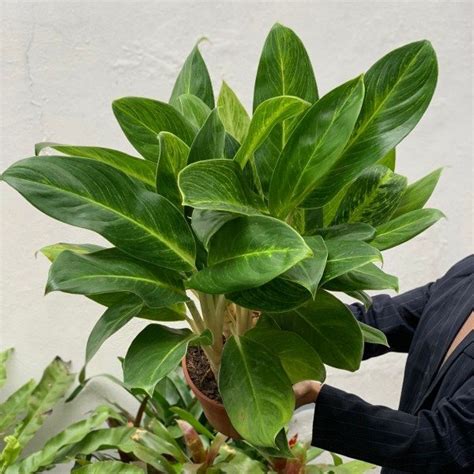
(64, 62)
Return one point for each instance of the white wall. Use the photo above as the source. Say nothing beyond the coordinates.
(64, 62)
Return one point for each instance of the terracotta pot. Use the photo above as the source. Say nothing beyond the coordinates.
(214, 411)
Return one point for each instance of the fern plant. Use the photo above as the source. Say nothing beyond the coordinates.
(242, 226)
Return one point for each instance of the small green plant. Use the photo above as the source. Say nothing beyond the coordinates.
(259, 218)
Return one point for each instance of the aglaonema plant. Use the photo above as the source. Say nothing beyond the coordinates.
(243, 227)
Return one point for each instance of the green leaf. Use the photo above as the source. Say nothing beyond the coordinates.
(362, 296)
(235, 118)
(51, 451)
(108, 467)
(398, 89)
(345, 255)
(143, 119)
(284, 68)
(206, 223)
(15, 406)
(389, 160)
(155, 352)
(417, 194)
(193, 108)
(172, 159)
(51, 252)
(267, 115)
(314, 146)
(328, 326)
(347, 231)
(308, 272)
(135, 167)
(367, 277)
(4, 356)
(53, 385)
(256, 392)
(372, 197)
(114, 318)
(194, 79)
(404, 227)
(244, 254)
(298, 359)
(277, 295)
(218, 185)
(373, 335)
(196, 424)
(119, 208)
(109, 271)
(209, 141)
(10, 452)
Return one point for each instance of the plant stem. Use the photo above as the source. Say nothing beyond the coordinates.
(141, 410)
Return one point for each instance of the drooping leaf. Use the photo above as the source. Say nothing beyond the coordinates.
(218, 185)
(373, 335)
(256, 392)
(348, 231)
(155, 352)
(143, 119)
(108, 467)
(194, 79)
(267, 115)
(114, 318)
(53, 385)
(404, 227)
(110, 271)
(299, 360)
(4, 356)
(193, 108)
(206, 223)
(314, 146)
(244, 254)
(308, 272)
(372, 197)
(209, 141)
(235, 118)
(15, 406)
(398, 89)
(417, 194)
(135, 167)
(360, 295)
(328, 326)
(116, 206)
(172, 159)
(367, 277)
(389, 160)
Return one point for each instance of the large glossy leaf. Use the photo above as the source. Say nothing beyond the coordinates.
(367, 277)
(155, 352)
(108, 467)
(308, 272)
(4, 356)
(284, 68)
(417, 194)
(218, 185)
(314, 146)
(15, 406)
(398, 89)
(193, 108)
(256, 392)
(244, 254)
(131, 165)
(194, 79)
(346, 255)
(143, 119)
(110, 271)
(206, 223)
(372, 197)
(172, 159)
(235, 118)
(114, 318)
(267, 115)
(404, 227)
(209, 141)
(53, 385)
(277, 295)
(328, 326)
(94, 196)
(356, 231)
(299, 360)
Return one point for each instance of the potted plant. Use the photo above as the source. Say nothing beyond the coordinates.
(242, 227)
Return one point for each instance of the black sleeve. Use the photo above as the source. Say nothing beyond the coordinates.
(430, 442)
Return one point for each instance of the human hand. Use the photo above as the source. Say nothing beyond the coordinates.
(306, 392)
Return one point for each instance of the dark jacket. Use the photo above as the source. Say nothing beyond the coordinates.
(433, 430)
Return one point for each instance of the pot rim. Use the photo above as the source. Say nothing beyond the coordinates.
(194, 388)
